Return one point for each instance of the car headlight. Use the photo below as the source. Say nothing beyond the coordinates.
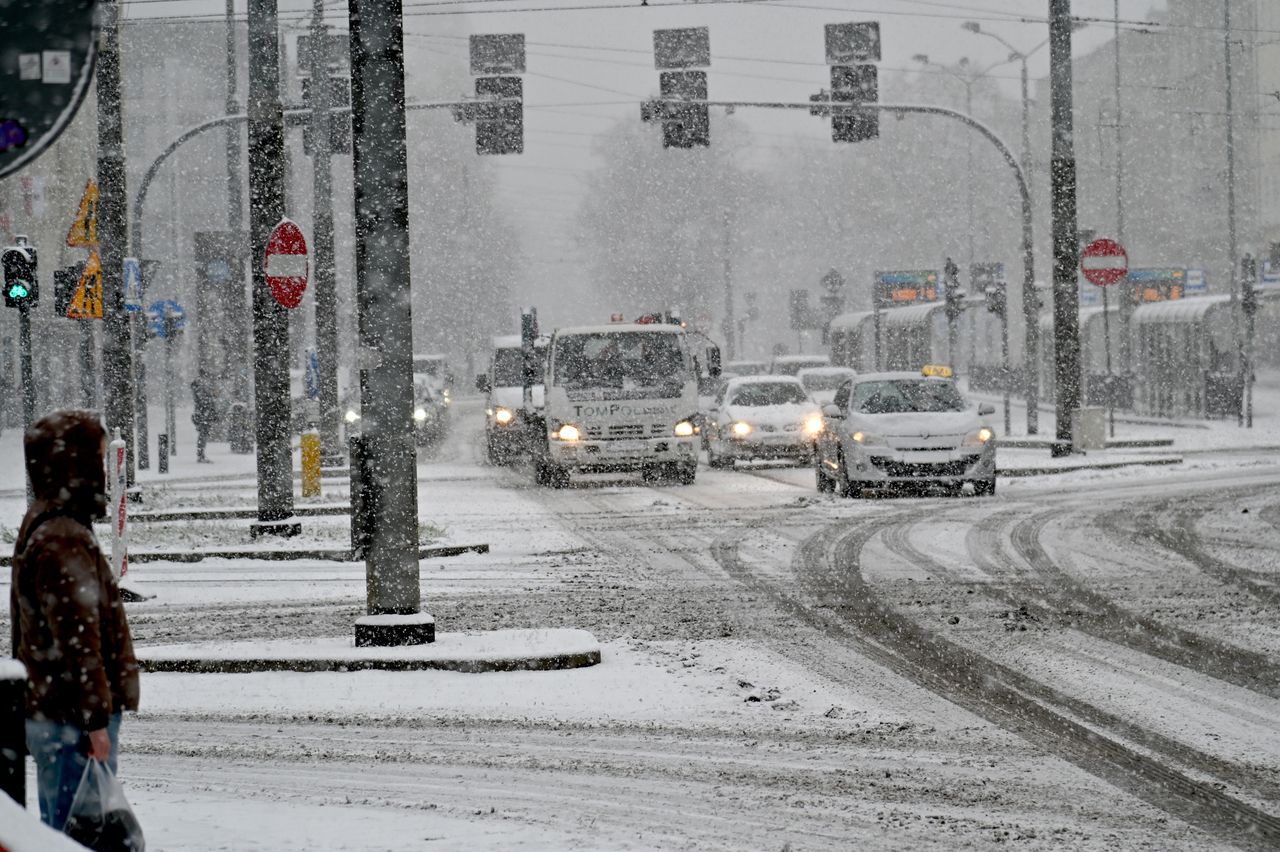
(869, 439)
(742, 429)
(352, 416)
(684, 429)
(568, 432)
(813, 424)
(978, 438)
(503, 416)
(419, 414)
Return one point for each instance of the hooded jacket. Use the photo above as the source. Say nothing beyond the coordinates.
(69, 626)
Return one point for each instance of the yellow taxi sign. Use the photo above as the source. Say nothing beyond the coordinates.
(936, 371)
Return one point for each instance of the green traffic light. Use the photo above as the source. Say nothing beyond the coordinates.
(19, 291)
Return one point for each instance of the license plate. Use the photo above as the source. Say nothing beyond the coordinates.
(625, 446)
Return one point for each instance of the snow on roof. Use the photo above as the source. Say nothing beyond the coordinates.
(852, 319)
(1180, 310)
(507, 341)
(826, 371)
(739, 381)
(910, 315)
(620, 327)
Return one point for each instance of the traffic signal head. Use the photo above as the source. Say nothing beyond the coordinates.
(997, 302)
(685, 125)
(855, 84)
(500, 126)
(21, 287)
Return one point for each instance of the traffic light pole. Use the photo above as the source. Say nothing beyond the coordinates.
(322, 235)
(1066, 246)
(270, 319)
(117, 360)
(24, 365)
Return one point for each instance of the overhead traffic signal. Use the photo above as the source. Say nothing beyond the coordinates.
(685, 125)
(500, 126)
(21, 286)
(1248, 280)
(855, 84)
(951, 291)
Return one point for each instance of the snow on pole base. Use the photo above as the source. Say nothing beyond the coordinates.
(392, 629)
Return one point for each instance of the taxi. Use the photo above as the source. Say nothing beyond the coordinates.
(905, 429)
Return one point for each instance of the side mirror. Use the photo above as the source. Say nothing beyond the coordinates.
(832, 411)
(985, 409)
(482, 382)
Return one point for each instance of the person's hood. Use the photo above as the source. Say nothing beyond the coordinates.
(65, 463)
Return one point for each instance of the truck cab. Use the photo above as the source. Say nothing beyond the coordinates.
(620, 397)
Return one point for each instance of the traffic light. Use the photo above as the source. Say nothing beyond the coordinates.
(685, 125)
(997, 299)
(21, 286)
(339, 124)
(1248, 278)
(951, 289)
(500, 126)
(855, 84)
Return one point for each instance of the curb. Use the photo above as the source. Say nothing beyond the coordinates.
(329, 554)
(1016, 472)
(165, 515)
(537, 663)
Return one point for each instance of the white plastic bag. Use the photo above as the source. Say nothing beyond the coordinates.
(100, 816)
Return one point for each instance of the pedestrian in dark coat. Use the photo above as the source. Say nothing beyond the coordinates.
(203, 413)
(69, 626)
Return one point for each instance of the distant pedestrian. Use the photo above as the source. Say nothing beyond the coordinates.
(68, 622)
(203, 413)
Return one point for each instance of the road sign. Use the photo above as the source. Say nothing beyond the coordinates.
(497, 54)
(1104, 262)
(86, 304)
(833, 281)
(164, 318)
(49, 52)
(286, 264)
(84, 230)
(132, 284)
(852, 43)
(682, 48)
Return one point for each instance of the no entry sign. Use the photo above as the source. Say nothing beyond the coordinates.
(1104, 262)
(286, 264)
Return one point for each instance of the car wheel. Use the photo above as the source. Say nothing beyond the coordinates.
(687, 474)
(825, 483)
(844, 487)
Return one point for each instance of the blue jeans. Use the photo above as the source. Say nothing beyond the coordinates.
(61, 753)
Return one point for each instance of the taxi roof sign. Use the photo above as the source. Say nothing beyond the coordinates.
(936, 371)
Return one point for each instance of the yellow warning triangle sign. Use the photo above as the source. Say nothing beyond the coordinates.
(84, 231)
(87, 302)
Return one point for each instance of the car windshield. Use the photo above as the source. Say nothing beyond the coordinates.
(823, 381)
(768, 393)
(626, 361)
(895, 396)
(508, 368)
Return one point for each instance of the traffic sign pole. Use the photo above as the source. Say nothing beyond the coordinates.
(1104, 263)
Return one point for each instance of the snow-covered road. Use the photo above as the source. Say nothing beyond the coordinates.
(1085, 661)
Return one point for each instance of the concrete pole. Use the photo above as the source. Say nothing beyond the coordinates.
(728, 326)
(270, 320)
(117, 360)
(1066, 249)
(384, 314)
(322, 236)
(1233, 248)
(239, 309)
(1030, 312)
(1126, 305)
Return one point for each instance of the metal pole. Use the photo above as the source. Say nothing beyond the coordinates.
(727, 326)
(1232, 247)
(236, 297)
(1030, 312)
(24, 365)
(170, 406)
(1126, 299)
(1066, 249)
(137, 327)
(88, 378)
(322, 234)
(1106, 334)
(270, 320)
(384, 316)
(117, 361)
(1004, 361)
(968, 145)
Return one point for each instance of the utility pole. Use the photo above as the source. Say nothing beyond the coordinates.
(270, 319)
(322, 233)
(1126, 305)
(384, 318)
(1066, 248)
(240, 311)
(1233, 248)
(728, 326)
(117, 361)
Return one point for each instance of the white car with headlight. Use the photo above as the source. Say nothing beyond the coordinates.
(762, 417)
(886, 429)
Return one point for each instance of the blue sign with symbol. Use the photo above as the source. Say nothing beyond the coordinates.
(132, 284)
(312, 376)
(164, 316)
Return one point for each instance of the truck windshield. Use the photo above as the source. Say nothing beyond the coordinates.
(508, 368)
(625, 361)
(903, 395)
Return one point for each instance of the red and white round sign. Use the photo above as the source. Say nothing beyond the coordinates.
(1104, 262)
(286, 264)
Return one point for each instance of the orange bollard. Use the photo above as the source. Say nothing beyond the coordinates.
(311, 463)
